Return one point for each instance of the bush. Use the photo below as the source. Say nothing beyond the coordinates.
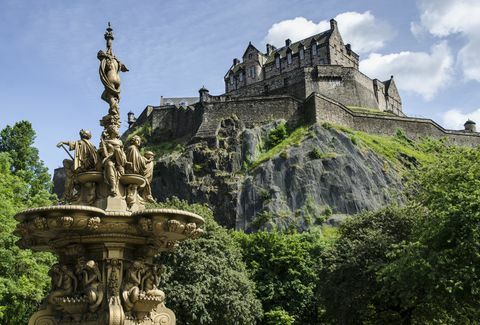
(278, 317)
(205, 280)
(276, 136)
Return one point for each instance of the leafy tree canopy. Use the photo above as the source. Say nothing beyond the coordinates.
(23, 273)
(205, 280)
(285, 269)
(25, 162)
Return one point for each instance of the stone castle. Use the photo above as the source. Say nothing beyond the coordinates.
(313, 80)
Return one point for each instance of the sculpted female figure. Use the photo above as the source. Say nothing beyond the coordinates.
(113, 158)
(109, 70)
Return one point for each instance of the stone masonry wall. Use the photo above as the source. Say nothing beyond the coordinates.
(347, 85)
(250, 110)
(322, 109)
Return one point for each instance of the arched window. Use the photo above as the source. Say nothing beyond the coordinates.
(314, 49)
(289, 57)
(301, 53)
(277, 61)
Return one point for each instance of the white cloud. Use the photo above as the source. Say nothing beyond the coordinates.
(362, 30)
(442, 18)
(454, 119)
(419, 72)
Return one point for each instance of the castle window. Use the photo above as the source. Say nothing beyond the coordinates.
(253, 72)
(250, 56)
(302, 54)
(289, 57)
(240, 76)
(277, 61)
(314, 49)
(231, 80)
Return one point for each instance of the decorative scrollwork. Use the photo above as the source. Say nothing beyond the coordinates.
(40, 223)
(93, 223)
(65, 221)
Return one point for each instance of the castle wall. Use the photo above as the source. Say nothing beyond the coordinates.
(250, 111)
(322, 109)
(271, 70)
(338, 53)
(175, 122)
(291, 83)
(347, 85)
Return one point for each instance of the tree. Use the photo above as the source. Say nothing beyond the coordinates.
(285, 269)
(350, 287)
(18, 141)
(437, 274)
(23, 273)
(205, 280)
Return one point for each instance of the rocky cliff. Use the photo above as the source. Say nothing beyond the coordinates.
(260, 178)
(311, 174)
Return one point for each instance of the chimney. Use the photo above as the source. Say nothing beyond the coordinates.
(333, 24)
(236, 61)
(349, 49)
(288, 42)
(269, 49)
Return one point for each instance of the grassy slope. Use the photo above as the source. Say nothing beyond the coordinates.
(394, 149)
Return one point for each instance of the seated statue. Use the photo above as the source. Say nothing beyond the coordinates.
(151, 281)
(132, 282)
(64, 283)
(84, 159)
(142, 165)
(92, 285)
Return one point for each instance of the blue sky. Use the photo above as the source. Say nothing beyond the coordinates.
(50, 70)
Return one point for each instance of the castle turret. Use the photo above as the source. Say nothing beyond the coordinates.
(470, 126)
(204, 95)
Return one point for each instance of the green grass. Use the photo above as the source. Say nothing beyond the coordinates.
(164, 148)
(390, 147)
(369, 110)
(293, 139)
(144, 131)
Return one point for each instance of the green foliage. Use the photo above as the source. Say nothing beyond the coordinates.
(297, 136)
(197, 168)
(276, 135)
(261, 219)
(23, 274)
(164, 148)
(206, 281)
(25, 162)
(316, 153)
(436, 275)
(143, 131)
(369, 110)
(278, 317)
(285, 269)
(284, 155)
(349, 287)
(400, 151)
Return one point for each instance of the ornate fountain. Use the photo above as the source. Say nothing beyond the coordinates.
(103, 235)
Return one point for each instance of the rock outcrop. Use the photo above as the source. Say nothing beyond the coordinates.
(323, 173)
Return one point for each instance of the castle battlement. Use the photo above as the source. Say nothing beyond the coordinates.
(321, 63)
(314, 80)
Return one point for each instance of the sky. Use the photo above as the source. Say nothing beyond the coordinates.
(173, 47)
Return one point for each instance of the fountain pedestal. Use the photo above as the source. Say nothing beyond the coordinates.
(105, 272)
